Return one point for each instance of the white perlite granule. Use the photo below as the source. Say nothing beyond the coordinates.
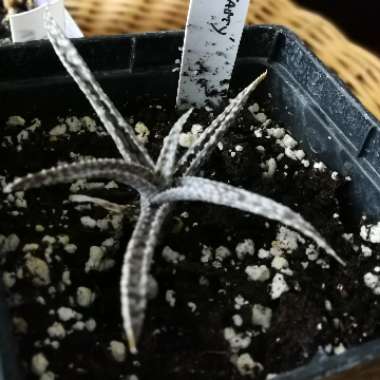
(49, 240)
(90, 325)
(63, 239)
(85, 296)
(258, 273)
(288, 239)
(239, 302)
(261, 316)
(95, 258)
(132, 377)
(186, 140)
(334, 176)
(48, 375)
(246, 365)
(279, 263)
(206, 254)
(371, 233)
(15, 121)
(73, 123)
(261, 117)
(263, 253)
(339, 350)
(172, 256)
(39, 364)
(142, 132)
(20, 325)
(9, 244)
(289, 142)
(88, 222)
(196, 129)
(30, 247)
(237, 320)
(58, 130)
(70, 248)
(79, 326)
(319, 166)
(372, 281)
(270, 167)
(366, 251)
(38, 269)
(277, 133)
(192, 306)
(170, 297)
(66, 278)
(312, 253)
(328, 305)
(9, 279)
(278, 286)
(237, 341)
(221, 253)
(65, 314)
(56, 330)
(118, 351)
(89, 123)
(244, 248)
(254, 108)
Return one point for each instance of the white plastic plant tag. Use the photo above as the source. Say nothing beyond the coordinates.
(28, 26)
(213, 32)
(71, 28)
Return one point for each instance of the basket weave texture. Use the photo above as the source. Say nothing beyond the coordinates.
(359, 68)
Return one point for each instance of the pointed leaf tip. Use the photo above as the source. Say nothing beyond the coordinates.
(135, 270)
(191, 161)
(209, 191)
(132, 342)
(167, 158)
(11, 187)
(7, 189)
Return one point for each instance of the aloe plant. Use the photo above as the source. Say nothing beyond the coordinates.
(160, 184)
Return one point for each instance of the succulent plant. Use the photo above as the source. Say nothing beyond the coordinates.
(160, 184)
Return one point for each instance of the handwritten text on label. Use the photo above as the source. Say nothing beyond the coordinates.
(225, 22)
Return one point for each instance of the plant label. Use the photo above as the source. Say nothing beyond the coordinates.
(71, 28)
(28, 26)
(212, 38)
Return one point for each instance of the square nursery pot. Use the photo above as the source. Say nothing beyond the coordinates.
(331, 123)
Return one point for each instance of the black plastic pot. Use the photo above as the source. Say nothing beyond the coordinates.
(321, 113)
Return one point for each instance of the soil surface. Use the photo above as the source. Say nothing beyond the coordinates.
(238, 296)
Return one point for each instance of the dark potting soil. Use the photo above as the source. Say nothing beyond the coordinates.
(228, 305)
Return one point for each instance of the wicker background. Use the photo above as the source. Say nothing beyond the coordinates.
(357, 67)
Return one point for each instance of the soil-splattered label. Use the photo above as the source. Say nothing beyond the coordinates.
(212, 38)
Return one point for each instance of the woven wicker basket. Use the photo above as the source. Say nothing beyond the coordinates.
(356, 66)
